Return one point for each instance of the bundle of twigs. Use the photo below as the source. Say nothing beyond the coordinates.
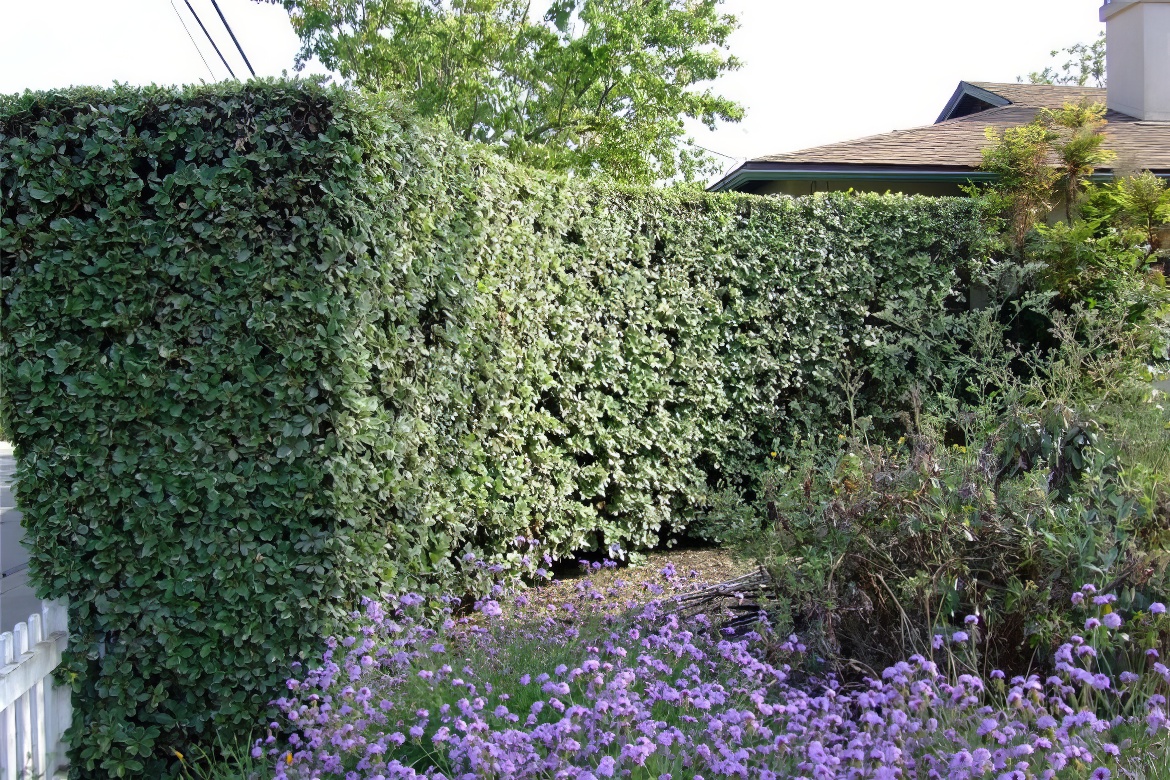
(739, 596)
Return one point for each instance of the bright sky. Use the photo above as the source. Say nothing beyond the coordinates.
(816, 71)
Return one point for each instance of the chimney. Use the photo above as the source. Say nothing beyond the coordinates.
(1137, 53)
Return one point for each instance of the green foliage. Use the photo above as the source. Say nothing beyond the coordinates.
(1119, 234)
(1144, 201)
(269, 347)
(1049, 470)
(1024, 188)
(179, 286)
(232, 761)
(1079, 147)
(1085, 66)
(1027, 184)
(1082, 262)
(595, 87)
(1137, 207)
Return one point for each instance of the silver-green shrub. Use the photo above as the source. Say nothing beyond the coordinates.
(268, 347)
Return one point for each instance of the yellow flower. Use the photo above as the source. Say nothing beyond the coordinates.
(178, 755)
(901, 439)
(288, 757)
(773, 453)
(840, 437)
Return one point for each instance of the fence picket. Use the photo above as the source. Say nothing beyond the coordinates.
(35, 637)
(59, 713)
(8, 747)
(23, 708)
(34, 712)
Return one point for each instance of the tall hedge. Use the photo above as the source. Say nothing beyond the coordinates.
(267, 347)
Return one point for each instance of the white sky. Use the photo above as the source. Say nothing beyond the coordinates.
(816, 71)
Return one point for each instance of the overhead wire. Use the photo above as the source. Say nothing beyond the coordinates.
(712, 151)
(239, 48)
(192, 37)
(735, 161)
(205, 32)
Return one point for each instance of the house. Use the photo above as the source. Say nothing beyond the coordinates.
(940, 158)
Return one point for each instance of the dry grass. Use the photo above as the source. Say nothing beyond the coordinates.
(694, 568)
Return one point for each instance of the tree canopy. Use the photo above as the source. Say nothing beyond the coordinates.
(592, 87)
(1028, 183)
(1084, 66)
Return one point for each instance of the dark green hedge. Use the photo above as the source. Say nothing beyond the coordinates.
(267, 347)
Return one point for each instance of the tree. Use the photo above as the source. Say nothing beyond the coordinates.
(595, 87)
(1085, 66)
(1078, 140)
(1025, 182)
(1038, 164)
(1143, 202)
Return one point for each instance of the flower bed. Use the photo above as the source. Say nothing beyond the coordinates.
(603, 686)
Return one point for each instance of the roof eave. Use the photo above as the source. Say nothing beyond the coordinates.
(765, 171)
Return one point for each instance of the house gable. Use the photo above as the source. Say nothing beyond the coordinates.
(970, 99)
(938, 158)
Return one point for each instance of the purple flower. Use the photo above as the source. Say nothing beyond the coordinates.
(1092, 623)
(1112, 621)
(1101, 773)
(1157, 608)
(648, 684)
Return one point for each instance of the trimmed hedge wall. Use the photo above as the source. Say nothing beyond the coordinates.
(269, 346)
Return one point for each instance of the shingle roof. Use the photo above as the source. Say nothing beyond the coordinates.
(1041, 95)
(958, 143)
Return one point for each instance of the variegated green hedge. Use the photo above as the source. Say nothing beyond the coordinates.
(268, 347)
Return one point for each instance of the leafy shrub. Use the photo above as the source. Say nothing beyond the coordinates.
(1051, 470)
(178, 287)
(582, 692)
(268, 347)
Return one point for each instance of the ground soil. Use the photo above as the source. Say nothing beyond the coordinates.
(694, 568)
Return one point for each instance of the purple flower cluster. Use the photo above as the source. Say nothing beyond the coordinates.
(651, 693)
(595, 566)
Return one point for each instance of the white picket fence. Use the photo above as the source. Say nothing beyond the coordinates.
(34, 712)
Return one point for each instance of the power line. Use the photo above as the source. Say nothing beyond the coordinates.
(189, 35)
(217, 51)
(712, 151)
(239, 48)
